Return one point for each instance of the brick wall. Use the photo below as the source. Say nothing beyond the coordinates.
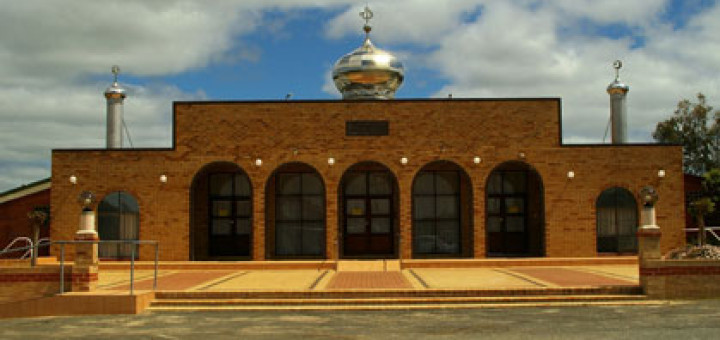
(681, 279)
(14, 221)
(17, 284)
(424, 131)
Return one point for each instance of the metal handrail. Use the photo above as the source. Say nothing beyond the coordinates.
(30, 251)
(708, 229)
(8, 250)
(132, 257)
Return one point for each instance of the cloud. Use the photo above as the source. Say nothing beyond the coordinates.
(564, 48)
(52, 56)
(54, 60)
(405, 21)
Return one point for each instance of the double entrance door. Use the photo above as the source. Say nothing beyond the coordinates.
(229, 215)
(368, 214)
(507, 210)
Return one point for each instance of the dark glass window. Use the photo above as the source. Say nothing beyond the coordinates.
(230, 213)
(299, 214)
(616, 221)
(118, 219)
(436, 212)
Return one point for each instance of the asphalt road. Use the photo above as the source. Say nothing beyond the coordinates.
(683, 320)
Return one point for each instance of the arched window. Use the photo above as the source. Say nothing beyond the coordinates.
(442, 207)
(299, 212)
(118, 219)
(616, 221)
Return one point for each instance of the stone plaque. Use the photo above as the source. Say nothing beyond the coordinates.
(367, 128)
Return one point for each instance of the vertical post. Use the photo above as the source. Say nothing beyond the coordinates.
(648, 236)
(156, 267)
(132, 269)
(62, 268)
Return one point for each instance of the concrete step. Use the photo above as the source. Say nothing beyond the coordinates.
(398, 293)
(368, 265)
(401, 306)
(392, 301)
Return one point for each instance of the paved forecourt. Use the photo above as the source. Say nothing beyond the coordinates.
(491, 278)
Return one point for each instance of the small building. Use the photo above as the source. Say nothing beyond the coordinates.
(15, 204)
(371, 177)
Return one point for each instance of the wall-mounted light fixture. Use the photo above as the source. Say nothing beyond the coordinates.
(258, 162)
(521, 155)
(73, 179)
(404, 161)
(331, 161)
(661, 173)
(477, 160)
(163, 178)
(571, 174)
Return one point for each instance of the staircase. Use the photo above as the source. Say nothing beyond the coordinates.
(381, 285)
(180, 301)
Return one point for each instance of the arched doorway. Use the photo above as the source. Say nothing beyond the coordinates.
(295, 213)
(118, 219)
(617, 221)
(442, 211)
(221, 213)
(368, 206)
(515, 219)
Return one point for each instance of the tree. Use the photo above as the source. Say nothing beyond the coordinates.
(39, 217)
(706, 205)
(696, 127)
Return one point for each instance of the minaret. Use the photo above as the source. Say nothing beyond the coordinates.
(618, 106)
(115, 95)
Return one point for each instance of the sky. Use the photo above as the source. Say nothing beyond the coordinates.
(55, 60)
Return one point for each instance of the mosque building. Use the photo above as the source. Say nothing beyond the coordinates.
(369, 177)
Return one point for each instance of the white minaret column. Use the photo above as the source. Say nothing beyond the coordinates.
(618, 106)
(114, 96)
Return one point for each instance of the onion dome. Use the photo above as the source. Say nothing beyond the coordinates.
(115, 90)
(368, 72)
(617, 86)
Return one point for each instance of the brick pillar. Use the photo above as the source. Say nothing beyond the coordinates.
(85, 269)
(648, 250)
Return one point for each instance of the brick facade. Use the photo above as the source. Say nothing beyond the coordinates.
(423, 131)
(14, 220)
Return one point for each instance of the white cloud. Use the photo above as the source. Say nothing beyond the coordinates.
(50, 54)
(610, 11)
(408, 21)
(51, 58)
(531, 48)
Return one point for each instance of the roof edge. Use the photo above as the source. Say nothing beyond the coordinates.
(25, 190)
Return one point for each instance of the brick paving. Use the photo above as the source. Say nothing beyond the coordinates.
(369, 280)
(566, 277)
(177, 281)
(416, 279)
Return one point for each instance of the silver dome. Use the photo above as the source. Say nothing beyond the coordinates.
(115, 90)
(617, 86)
(368, 72)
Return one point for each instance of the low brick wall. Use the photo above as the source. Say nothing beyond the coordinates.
(17, 283)
(680, 279)
(78, 304)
